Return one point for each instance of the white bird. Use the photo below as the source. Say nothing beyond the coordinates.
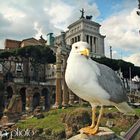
(95, 83)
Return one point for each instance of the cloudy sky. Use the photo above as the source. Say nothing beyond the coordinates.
(21, 19)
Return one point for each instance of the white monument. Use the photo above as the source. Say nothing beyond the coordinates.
(87, 30)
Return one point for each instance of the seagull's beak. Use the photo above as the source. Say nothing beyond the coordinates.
(84, 52)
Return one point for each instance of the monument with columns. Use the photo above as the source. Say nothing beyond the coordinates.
(87, 30)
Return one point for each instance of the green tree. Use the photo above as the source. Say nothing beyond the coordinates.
(112, 63)
(35, 55)
(39, 54)
(120, 65)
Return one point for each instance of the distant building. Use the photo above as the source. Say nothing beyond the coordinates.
(85, 30)
(23, 89)
(31, 42)
(11, 44)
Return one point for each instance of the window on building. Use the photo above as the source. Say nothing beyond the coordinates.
(91, 43)
(19, 67)
(79, 38)
(75, 39)
(87, 38)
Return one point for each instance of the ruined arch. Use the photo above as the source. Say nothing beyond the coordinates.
(22, 93)
(36, 100)
(10, 92)
(46, 94)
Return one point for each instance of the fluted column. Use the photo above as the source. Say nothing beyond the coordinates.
(65, 88)
(65, 94)
(58, 78)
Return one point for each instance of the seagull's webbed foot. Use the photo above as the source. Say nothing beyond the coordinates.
(89, 130)
(92, 130)
(92, 126)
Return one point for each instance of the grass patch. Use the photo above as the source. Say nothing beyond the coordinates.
(137, 110)
(53, 120)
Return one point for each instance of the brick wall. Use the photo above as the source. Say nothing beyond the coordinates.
(11, 44)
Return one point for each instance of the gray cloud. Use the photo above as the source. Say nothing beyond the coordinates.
(30, 18)
(3, 21)
(134, 58)
(122, 31)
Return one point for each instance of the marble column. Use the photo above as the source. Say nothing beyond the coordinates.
(65, 88)
(58, 78)
(91, 42)
(83, 37)
(65, 94)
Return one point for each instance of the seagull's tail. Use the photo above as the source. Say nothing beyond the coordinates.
(125, 108)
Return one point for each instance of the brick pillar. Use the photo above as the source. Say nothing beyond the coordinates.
(29, 98)
(18, 104)
(58, 93)
(71, 97)
(58, 78)
(42, 102)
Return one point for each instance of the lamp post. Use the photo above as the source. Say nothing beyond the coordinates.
(138, 11)
(111, 52)
(130, 79)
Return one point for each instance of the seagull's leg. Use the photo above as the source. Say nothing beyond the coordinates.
(96, 128)
(93, 117)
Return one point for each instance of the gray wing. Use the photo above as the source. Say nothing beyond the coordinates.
(110, 82)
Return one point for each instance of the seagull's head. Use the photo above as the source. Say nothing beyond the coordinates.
(80, 48)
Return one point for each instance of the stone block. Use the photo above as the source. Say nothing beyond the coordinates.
(103, 134)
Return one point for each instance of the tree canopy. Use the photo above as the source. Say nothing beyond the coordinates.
(120, 65)
(39, 54)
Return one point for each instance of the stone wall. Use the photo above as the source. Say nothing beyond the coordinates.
(22, 97)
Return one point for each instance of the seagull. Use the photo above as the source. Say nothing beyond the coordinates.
(95, 83)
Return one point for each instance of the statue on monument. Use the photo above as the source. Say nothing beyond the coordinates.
(82, 13)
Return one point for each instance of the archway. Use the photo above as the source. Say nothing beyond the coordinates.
(9, 95)
(23, 98)
(36, 100)
(9, 92)
(46, 95)
(53, 95)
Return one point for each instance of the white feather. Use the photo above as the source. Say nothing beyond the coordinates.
(81, 77)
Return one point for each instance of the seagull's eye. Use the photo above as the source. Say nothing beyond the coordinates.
(76, 47)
